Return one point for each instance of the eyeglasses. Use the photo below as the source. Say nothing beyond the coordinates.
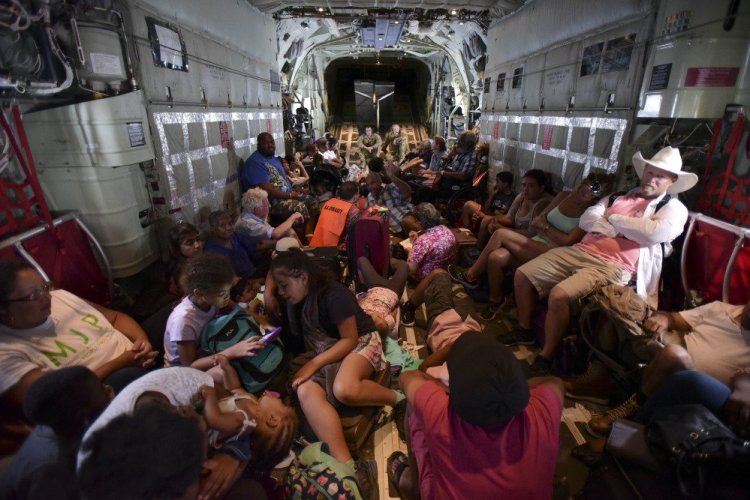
(46, 287)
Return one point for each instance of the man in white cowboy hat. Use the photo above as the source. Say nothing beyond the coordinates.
(624, 240)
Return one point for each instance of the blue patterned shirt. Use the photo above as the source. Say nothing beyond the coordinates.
(398, 205)
(466, 163)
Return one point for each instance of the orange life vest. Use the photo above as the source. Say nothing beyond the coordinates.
(331, 224)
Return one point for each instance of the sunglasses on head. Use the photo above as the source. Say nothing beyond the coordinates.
(595, 186)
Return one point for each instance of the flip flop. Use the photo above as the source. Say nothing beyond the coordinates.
(396, 464)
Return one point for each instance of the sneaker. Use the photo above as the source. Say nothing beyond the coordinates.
(592, 386)
(408, 313)
(601, 425)
(519, 337)
(490, 312)
(460, 277)
(540, 367)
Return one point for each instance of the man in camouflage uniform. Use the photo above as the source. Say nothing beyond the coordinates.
(395, 144)
(369, 144)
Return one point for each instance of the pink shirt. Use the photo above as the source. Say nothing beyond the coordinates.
(619, 250)
(460, 460)
(447, 327)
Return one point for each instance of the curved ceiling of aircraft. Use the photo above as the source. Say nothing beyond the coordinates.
(500, 7)
(450, 38)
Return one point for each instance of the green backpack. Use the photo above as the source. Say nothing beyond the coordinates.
(255, 371)
(316, 475)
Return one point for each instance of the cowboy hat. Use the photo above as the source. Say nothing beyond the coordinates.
(669, 160)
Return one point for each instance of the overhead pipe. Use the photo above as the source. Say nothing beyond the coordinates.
(46, 88)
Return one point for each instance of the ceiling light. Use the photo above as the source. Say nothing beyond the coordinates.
(380, 38)
(454, 12)
(395, 22)
(321, 9)
(461, 23)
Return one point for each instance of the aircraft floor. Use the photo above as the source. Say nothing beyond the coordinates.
(570, 474)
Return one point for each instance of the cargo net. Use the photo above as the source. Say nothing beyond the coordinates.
(21, 205)
(61, 251)
(726, 194)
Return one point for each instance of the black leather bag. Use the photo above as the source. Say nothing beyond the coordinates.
(699, 448)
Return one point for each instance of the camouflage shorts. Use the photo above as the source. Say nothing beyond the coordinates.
(306, 205)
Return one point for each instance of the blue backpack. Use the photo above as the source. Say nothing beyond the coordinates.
(223, 332)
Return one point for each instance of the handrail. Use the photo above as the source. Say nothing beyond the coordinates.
(683, 262)
(742, 234)
(17, 240)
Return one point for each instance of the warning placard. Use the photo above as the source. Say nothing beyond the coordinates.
(711, 77)
(136, 134)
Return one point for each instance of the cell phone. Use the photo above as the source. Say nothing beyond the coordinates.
(271, 335)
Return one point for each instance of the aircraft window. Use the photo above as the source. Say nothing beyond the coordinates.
(592, 56)
(618, 54)
(500, 82)
(167, 46)
(517, 78)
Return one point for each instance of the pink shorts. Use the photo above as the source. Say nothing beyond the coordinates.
(371, 347)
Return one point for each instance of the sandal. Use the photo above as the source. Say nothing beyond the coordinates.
(396, 464)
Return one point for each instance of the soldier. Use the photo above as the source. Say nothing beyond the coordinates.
(395, 144)
(369, 144)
